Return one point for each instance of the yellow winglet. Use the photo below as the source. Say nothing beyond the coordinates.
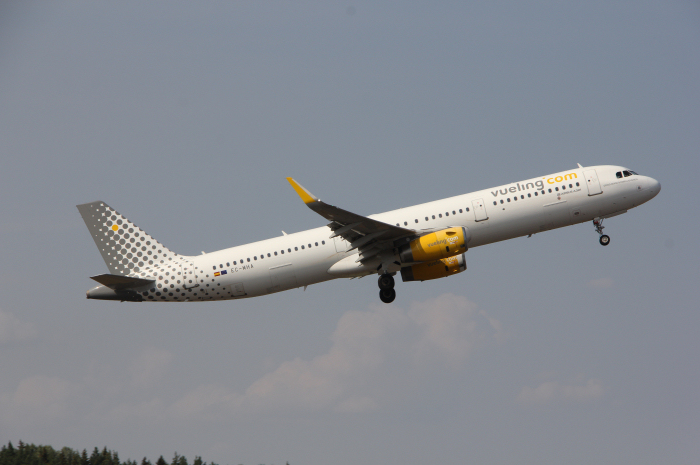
(305, 195)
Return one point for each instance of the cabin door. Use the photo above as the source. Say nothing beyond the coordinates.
(592, 182)
(189, 275)
(341, 245)
(479, 210)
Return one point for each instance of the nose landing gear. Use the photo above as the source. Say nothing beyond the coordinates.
(387, 294)
(604, 238)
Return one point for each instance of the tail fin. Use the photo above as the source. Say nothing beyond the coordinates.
(125, 247)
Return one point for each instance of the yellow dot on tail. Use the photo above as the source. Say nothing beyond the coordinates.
(115, 227)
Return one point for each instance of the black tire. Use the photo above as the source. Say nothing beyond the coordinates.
(604, 239)
(387, 295)
(386, 282)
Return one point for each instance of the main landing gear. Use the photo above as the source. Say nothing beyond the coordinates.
(604, 238)
(387, 293)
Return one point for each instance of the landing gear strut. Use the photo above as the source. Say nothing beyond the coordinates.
(604, 238)
(387, 294)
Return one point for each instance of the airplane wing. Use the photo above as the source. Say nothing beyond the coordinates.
(368, 235)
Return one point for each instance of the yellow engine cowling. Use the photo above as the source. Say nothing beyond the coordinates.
(434, 246)
(435, 269)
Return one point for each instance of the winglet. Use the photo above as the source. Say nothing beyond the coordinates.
(305, 195)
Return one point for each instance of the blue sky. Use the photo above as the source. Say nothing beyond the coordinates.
(186, 117)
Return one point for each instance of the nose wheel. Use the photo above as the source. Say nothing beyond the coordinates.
(604, 238)
(387, 294)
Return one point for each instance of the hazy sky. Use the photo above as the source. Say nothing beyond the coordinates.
(187, 116)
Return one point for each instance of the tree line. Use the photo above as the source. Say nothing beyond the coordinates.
(29, 454)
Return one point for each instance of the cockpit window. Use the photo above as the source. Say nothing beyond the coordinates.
(627, 173)
(634, 173)
(618, 174)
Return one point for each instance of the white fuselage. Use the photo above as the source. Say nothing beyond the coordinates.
(490, 215)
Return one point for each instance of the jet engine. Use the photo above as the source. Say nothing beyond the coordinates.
(435, 269)
(434, 246)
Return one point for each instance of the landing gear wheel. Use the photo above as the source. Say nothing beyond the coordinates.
(386, 282)
(387, 295)
(604, 239)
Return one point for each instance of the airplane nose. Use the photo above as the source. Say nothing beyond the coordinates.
(653, 187)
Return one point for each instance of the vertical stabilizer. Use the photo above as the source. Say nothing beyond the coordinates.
(125, 247)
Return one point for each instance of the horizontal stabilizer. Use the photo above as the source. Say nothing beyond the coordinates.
(118, 283)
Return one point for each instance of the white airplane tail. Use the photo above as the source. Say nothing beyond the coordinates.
(125, 248)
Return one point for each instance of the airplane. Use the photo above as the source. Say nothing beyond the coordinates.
(421, 243)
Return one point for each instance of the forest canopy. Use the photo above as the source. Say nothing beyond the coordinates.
(29, 454)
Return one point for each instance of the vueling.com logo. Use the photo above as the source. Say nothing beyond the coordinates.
(538, 185)
(450, 240)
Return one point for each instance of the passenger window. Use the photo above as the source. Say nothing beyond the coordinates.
(550, 191)
(405, 223)
(433, 216)
(316, 244)
(290, 250)
(282, 251)
(397, 224)
(576, 184)
(460, 210)
(530, 195)
(416, 220)
(501, 201)
(214, 267)
(268, 254)
(302, 247)
(453, 212)
(522, 196)
(570, 186)
(467, 209)
(255, 257)
(556, 189)
(515, 198)
(426, 218)
(440, 215)
(248, 259)
(494, 202)
(275, 254)
(234, 263)
(618, 174)
(296, 249)
(309, 245)
(535, 193)
(447, 213)
(323, 242)
(508, 199)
